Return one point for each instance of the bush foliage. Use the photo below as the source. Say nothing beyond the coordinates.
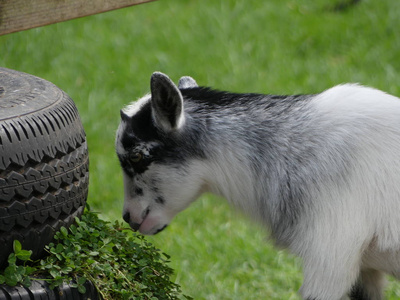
(120, 264)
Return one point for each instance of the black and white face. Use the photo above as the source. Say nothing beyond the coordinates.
(160, 178)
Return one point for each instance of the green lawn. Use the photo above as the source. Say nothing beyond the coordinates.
(275, 46)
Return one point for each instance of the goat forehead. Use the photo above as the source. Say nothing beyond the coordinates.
(145, 147)
(125, 139)
(137, 134)
(153, 175)
(133, 108)
(149, 149)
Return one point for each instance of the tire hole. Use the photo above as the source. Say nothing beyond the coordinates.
(24, 130)
(45, 126)
(38, 127)
(68, 113)
(16, 132)
(50, 123)
(55, 119)
(7, 133)
(33, 130)
(62, 116)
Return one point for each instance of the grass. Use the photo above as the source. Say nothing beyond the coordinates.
(284, 47)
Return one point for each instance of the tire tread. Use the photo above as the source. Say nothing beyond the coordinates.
(44, 163)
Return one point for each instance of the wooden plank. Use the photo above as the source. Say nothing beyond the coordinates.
(17, 15)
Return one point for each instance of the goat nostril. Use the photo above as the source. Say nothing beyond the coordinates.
(145, 213)
(126, 217)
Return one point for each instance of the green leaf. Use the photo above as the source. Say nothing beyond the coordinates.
(26, 281)
(81, 280)
(17, 246)
(30, 270)
(66, 270)
(59, 248)
(81, 289)
(11, 280)
(12, 276)
(55, 273)
(12, 259)
(20, 271)
(64, 231)
(24, 255)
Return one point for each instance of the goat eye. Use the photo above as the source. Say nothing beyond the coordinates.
(135, 157)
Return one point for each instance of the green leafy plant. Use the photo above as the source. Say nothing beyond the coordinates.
(15, 274)
(120, 264)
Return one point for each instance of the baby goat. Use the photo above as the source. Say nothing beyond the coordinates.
(321, 171)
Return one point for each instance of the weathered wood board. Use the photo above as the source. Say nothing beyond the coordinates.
(17, 15)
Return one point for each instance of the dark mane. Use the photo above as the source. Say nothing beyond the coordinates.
(210, 98)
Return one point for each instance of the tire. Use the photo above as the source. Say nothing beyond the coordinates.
(44, 172)
(40, 290)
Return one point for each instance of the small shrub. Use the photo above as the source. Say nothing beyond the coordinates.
(120, 264)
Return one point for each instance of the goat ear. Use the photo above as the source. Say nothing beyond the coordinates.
(166, 103)
(187, 82)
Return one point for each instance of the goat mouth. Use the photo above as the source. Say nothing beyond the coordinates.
(150, 225)
(161, 229)
(135, 226)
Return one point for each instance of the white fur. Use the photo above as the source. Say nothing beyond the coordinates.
(133, 108)
(171, 187)
(363, 220)
(347, 230)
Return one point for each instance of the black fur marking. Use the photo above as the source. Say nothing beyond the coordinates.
(132, 168)
(127, 217)
(124, 116)
(134, 226)
(126, 167)
(160, 200)
(358, 293)
(161, 229)
(139, 192)
(212, 99)
(128, 140)
(142, 125)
